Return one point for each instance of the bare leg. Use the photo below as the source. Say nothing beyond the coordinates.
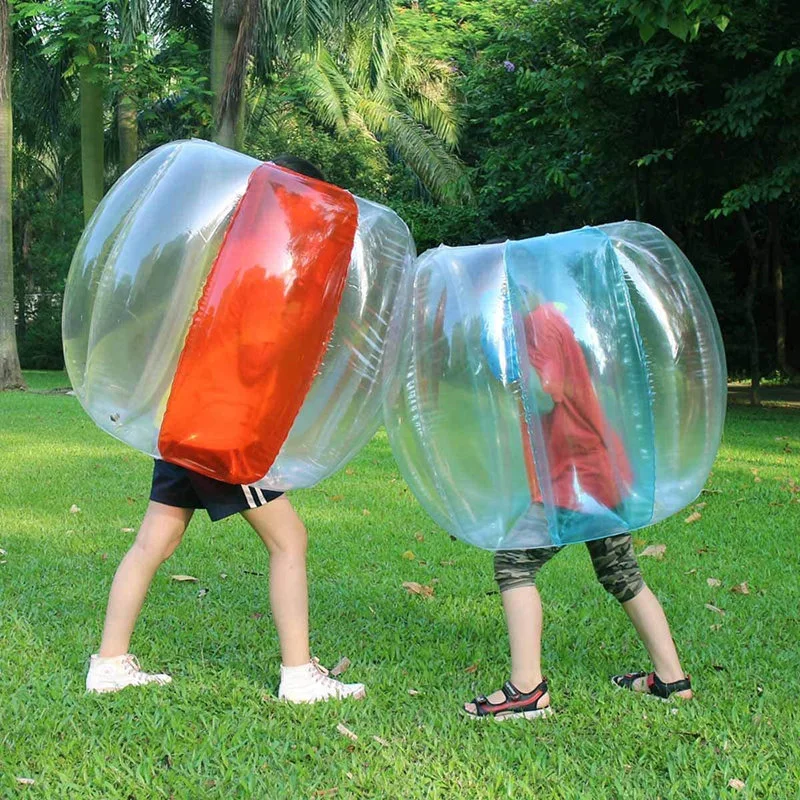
(651, 624)
(160, 533)
(523, 609)
(284, 534)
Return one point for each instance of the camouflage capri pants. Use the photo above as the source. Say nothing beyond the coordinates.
(613, 560)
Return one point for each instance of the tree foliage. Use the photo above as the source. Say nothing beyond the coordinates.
(473, 119)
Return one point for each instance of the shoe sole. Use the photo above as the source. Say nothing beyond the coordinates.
(112, 689)
(360, 695)
(671, 699)
(537, 713)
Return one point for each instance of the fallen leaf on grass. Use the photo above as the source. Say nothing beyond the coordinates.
(252, 572)
(2, 552)
(325, 792)
(693, 517)
(202, 592)
(415, 588)
(256, 615)
(654, 550)
(735, 783)
(73, 509)
(365, 512)
(713, 581)
(346, 732)
(447, 563)
(336, 498)
(127, 530)
(223, 575)
(409, 555)
(26, 781)
(184, 578)
(419, 536)
(699, 506)
(341, 667)
(380, 741)
(472, 668)
(639, 542)
(741, 588)
(716, 627)
(715, 609)
(349, 471)
(692, 571)
(413, 692)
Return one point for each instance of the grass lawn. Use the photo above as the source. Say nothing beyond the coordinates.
(217, 732)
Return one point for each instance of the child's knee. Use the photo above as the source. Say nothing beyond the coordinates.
(291, 540)
(616, 567)
(157, 547)
(622, 587)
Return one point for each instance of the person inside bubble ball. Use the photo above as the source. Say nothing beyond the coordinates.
(581, 451)
(175, 494)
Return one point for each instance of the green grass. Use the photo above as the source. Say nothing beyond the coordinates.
(215, 732)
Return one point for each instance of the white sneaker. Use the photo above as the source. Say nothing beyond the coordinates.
(113, 674)
(310, 683)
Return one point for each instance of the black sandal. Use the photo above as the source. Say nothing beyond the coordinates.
(655, 685)
(515, 704)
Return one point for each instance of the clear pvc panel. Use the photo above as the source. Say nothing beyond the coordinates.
(686, 360)
(136, 278)
(455, 413)
(342, 409)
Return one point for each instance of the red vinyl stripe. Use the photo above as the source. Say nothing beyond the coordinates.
(260, 330)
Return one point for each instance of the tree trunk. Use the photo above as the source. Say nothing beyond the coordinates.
(128, 129)
(229, 126)
(24, 282)
(780, 310)
(749, 301)
(92, 157)
(10, 374)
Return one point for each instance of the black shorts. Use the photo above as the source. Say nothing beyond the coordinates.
(182, 488)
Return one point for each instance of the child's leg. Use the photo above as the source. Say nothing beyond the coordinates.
(160, 533)
(284, 534)
(651, 624)
(618, 571)
(515, 573)
(523, 610)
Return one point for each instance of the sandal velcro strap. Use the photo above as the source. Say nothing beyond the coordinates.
(654, 684)
(627, 680)
(663, 690)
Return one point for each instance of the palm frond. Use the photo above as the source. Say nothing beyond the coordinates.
(438, 169)
(133, 18)
(327, 90)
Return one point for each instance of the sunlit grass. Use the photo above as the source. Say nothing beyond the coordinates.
(216, 732)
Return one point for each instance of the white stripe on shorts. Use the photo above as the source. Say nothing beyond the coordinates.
(249, 496)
